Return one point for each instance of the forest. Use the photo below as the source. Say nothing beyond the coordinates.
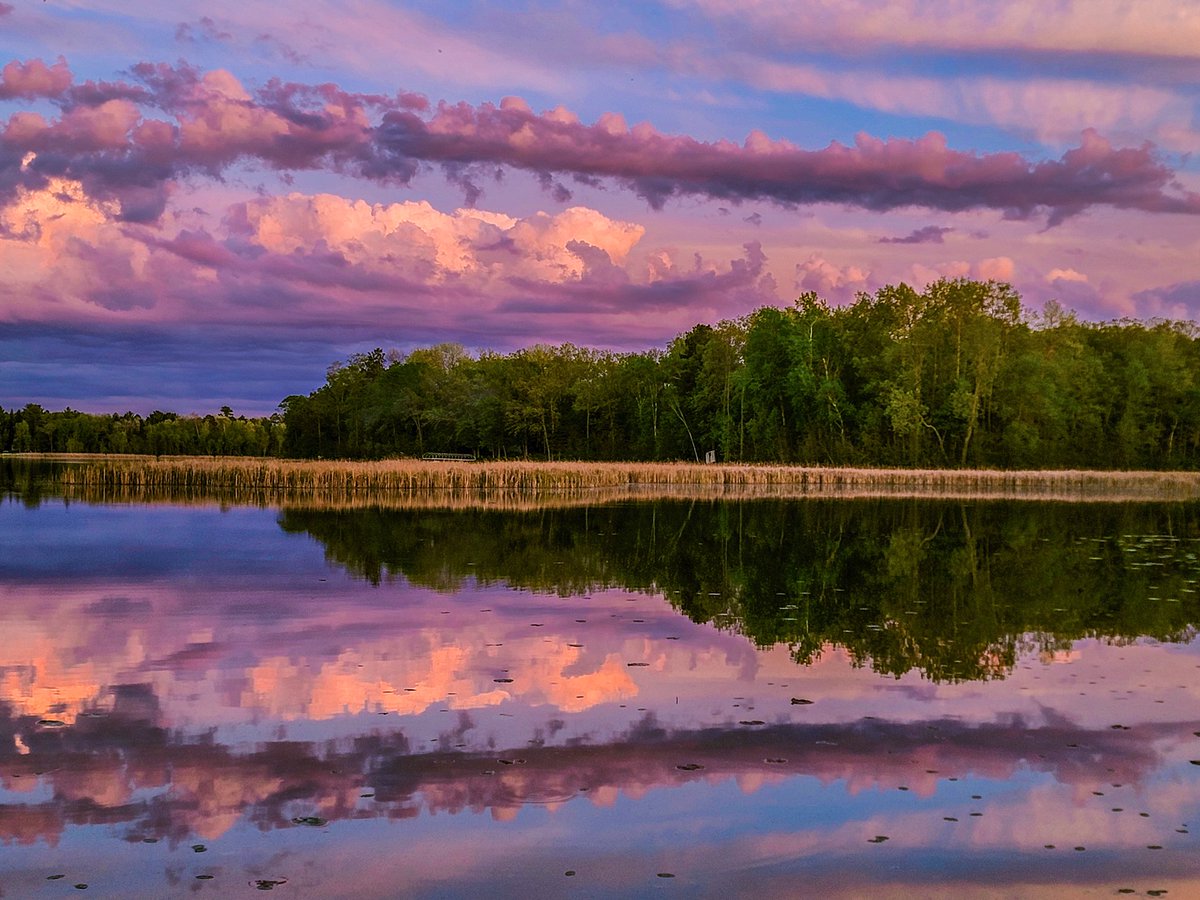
(37, 430)
(959, 374)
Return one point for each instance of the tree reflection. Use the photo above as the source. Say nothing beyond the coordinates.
(953, 590)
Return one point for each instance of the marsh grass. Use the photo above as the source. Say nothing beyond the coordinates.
(416, 483)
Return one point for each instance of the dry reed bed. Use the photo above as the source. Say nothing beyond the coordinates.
(506, 501)
(507, 483)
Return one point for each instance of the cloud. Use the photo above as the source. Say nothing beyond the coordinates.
(930, 234)
(1180, 300)
(33, 79)
(422, 243)
(205, 28)
(1053, 109)
(831, 281)
(1064, 275)
(997, 268)
(118, 151)
(304, 264)
(1076, 291)
(1157, 28)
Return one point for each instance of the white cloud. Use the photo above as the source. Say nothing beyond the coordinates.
(420, 241)
(1065, 275)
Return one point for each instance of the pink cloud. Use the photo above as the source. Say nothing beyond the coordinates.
(212, 123)
(1064, 275)
(33, 79)
(328, 262)
(997, 268)
(1160, 28)
(831, 281)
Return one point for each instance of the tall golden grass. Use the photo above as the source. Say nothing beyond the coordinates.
(516, 484)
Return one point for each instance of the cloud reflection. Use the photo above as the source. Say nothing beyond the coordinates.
(123, 767)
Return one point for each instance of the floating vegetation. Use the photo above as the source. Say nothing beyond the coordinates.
(311, 821)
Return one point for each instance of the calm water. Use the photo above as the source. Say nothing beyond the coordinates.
(791, 699)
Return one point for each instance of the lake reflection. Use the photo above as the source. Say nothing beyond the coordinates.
(761, 697)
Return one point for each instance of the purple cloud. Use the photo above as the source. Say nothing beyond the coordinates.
(1173, 301)
(930, 234)
(213, 123)
(205, 27)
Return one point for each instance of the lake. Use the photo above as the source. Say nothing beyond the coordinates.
(681, 698)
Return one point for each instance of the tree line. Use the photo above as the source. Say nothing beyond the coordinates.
(33, 429)
(959, 374)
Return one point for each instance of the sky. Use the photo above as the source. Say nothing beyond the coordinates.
(211, 207)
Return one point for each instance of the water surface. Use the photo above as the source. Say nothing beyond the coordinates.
(762, 697)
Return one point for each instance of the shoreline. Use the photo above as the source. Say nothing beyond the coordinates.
(520, 483)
